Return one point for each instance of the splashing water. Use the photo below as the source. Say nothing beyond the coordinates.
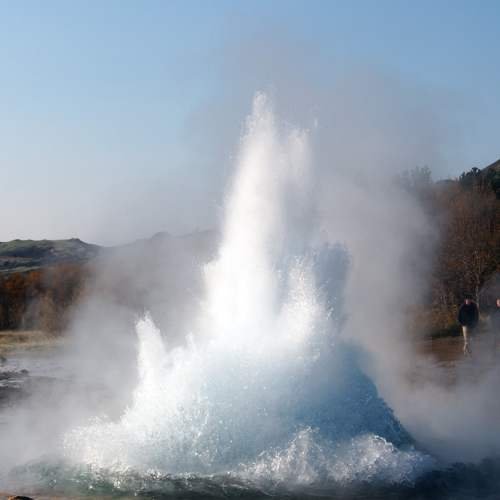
(262, 389)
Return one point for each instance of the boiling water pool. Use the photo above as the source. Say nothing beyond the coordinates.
(358, 451)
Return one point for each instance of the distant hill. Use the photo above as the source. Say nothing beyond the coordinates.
(27, 255)
(494, 166)
(487, 177)
(42, 281)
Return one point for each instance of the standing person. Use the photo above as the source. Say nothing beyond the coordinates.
(468, 317)
(495, 325)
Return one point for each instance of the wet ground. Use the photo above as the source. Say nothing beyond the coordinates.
(451, 364)
(447, 351)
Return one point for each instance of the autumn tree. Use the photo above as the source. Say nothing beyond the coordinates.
(467, 220)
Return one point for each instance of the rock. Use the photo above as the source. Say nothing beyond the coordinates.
(8, 375)
(20, 498)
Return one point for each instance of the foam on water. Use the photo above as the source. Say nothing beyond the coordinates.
(262, 389)
(309, 459)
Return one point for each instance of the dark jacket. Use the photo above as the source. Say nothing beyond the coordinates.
(468, 315)
(495, 319)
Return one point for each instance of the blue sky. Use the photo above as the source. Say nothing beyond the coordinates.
(98, 98)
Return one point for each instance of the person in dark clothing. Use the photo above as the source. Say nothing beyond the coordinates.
(468, 317)
(495, 326)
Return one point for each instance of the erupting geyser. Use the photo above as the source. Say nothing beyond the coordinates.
(262, 389)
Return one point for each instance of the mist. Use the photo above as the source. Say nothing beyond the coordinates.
(366, 126)
(363, 127)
